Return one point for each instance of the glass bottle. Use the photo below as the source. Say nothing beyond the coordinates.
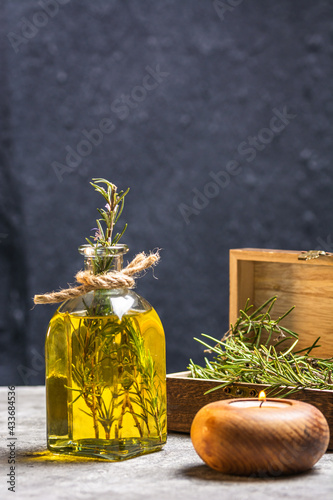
(105, 371)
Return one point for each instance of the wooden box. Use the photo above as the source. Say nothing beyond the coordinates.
(258, 275)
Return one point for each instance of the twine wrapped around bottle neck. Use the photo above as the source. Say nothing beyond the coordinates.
(111, 280)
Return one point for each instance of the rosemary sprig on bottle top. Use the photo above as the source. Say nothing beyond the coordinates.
(109, 217)
(252, 352)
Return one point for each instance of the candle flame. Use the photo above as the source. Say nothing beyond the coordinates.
(262, 396)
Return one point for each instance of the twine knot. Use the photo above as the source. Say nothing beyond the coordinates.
(110, 280)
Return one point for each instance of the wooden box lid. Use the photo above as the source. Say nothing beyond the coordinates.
(259, 274)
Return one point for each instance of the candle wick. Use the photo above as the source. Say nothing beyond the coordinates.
(261, 403)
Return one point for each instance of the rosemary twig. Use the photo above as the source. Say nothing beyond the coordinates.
(105, 225)
(248, 353)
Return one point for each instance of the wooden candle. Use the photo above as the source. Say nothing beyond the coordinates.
(252, 437)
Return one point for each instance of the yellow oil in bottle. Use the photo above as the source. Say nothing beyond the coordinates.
(105, 383)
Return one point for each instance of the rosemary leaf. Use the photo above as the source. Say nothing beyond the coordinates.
(243, 355)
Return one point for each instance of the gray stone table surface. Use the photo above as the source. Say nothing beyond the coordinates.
(174, 473)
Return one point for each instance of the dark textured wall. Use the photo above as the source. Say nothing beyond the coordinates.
(216, 114)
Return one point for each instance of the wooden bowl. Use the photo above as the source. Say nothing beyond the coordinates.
(287, 438)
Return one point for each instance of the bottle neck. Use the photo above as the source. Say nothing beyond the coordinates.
(99, 260)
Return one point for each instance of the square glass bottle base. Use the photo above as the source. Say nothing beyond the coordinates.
(113, 450)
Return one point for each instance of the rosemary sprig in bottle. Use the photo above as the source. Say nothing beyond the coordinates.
(248, 353)
(109, 217)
